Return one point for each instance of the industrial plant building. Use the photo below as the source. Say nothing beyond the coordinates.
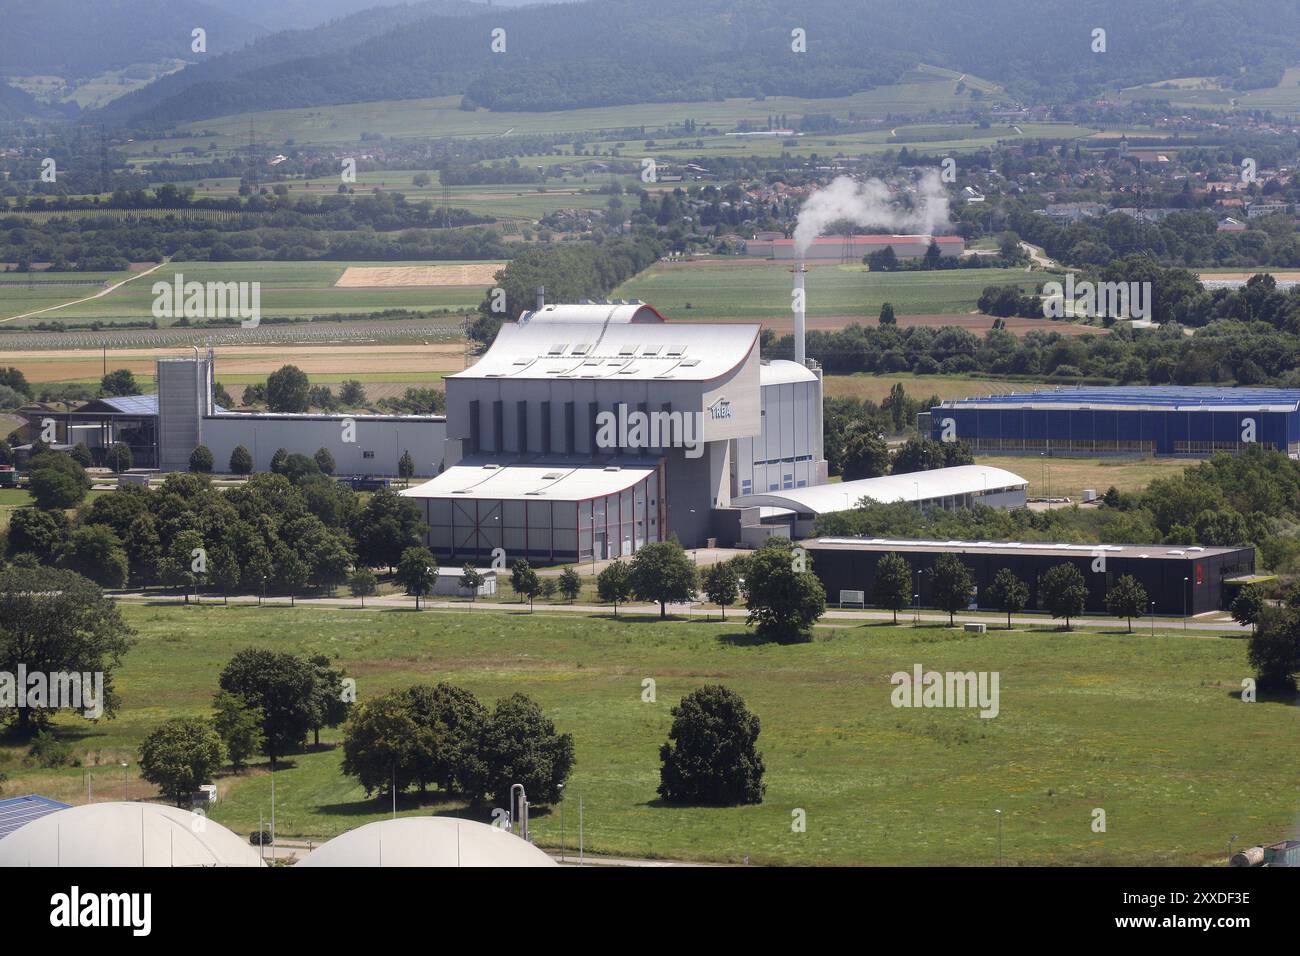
(1142, 420)
(164, 428)
(854, 248)
(588, 430)
(1181, 580)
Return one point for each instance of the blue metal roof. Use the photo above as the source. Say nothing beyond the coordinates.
(18, 811)
(1170, 396)
(140, 404)
(133, 404)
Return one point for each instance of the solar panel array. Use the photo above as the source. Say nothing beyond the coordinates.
(19, 811)
(1159, 395)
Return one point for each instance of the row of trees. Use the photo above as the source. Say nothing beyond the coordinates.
(783, 595)
(1062, 590)
(1248, 336)
(276, 532)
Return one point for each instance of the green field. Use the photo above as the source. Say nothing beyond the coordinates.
(758, 290)
(299, 289)
(863, 385)
(1146, 728)
(921, 91)
(1208, 93)
(39, 290)
(1069, 476)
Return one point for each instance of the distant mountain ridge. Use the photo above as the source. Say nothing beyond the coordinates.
(221, 75)
(612, 52)
(81, 38)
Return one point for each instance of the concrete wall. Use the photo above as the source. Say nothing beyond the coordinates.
(380, 440)
(788, 451)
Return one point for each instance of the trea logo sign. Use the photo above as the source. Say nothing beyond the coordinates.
(720, 409)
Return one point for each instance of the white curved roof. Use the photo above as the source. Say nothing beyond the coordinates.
(619, 352)
(915, 486)
(783, 371)
(125, 835)
(614, 312)
(427, 841)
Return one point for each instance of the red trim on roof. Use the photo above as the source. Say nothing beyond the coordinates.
(867, 240)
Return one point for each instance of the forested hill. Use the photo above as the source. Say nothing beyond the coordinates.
(226, 72)
(609, 52)
(17, 104)
(81, 38)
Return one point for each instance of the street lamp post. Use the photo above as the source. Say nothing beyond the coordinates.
(561, 823)
(1185, 582)
(1153, 618)
(999, 813)
(125, 785)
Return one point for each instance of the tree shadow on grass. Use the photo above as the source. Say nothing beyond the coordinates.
(754, 639)
(383, 803)
(1287, 698)
(659, 803)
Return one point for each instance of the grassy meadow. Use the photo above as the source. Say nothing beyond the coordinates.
(1069, 476)
(1146, 728)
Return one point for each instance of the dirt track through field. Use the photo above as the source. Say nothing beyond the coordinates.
(409, 277)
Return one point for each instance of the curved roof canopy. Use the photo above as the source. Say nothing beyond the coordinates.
(783, 372)
(427, 841)
(618, 313)
(533, 480)
(915, 486)
(620, 352)
(125, 835)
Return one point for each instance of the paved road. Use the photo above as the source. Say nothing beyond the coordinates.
(833, 617)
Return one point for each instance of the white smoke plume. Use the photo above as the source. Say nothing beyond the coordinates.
(871, 205)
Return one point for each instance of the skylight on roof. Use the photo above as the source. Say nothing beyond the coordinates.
(557, 349)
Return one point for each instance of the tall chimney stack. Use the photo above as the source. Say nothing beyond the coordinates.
(799, 308)
(541, 297)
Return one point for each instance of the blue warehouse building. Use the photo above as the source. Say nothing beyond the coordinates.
(1135, 420)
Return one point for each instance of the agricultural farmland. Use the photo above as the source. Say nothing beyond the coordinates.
(921, 91)
(758, 290)
(288, 289)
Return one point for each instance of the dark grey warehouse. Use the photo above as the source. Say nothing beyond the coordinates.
(1179, 580)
